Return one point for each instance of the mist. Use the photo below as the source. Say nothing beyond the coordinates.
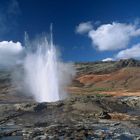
(46, 76)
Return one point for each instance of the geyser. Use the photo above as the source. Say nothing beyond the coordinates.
(46, 76)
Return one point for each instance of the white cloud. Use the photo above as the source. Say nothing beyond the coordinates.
(84, 27)
(108, 59)
(133, 52)
(10, 46)
(10, 52)
(113, 36)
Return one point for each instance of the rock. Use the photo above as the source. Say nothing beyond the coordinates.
(127, 63)
(126, 137)
(104, 115)
(30, 107)
(80, 117)
(132, 101)
(41, 137)
(40, 124)
(77, 83)
(25, 107)
(40, 107)
(37, 132)
(115, 124)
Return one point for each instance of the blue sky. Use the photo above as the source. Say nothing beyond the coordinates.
(35, 16)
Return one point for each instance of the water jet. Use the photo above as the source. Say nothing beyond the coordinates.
(46, 76)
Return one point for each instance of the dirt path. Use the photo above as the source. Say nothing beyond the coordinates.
(76, 90)
(121, 93)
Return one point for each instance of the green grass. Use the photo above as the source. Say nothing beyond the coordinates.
(92, 89)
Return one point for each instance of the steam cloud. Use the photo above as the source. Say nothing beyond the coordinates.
(46, 77)
(40, 73)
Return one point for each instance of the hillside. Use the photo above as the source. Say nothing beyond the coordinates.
(100, 67)
(110, 76)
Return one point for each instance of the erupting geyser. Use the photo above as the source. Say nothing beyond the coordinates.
(45, 75)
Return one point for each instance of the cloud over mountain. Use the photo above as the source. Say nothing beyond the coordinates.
(133, 52)
(107, 59)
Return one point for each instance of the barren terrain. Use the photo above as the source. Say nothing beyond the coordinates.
(103, 103)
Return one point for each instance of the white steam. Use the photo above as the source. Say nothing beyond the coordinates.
(46, 76)
(40, 72)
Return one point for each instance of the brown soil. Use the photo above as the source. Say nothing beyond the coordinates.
(122, 116)
(126, 78)
(120, 93)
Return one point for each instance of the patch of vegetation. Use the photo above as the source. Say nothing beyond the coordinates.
(92, 89)
(102, 95)
(102, 89)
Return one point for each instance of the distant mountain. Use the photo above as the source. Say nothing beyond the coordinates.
(101, 67)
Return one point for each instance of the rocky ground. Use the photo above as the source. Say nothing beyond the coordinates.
(91, 111)
(76, 118)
